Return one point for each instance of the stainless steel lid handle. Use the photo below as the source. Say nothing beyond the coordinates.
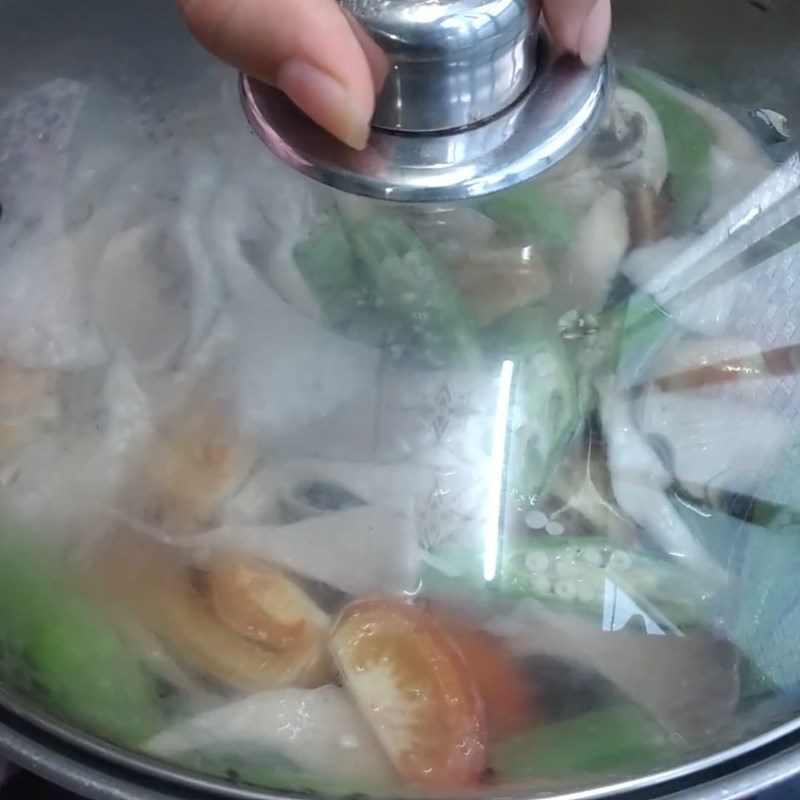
(451, 63)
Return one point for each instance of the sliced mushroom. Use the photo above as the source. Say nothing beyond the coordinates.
(593, 259)
(631, 144)
(171, 598)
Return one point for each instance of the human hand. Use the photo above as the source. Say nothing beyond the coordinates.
(332, 71)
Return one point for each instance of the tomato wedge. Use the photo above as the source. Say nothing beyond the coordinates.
(414, 688)
(506, 690)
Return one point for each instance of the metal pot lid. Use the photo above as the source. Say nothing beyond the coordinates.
(308, 492)
(476, 100)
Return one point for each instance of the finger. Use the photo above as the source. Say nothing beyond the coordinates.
(580, 26)
(304, 47)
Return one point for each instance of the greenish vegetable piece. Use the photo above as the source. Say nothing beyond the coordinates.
(571, 572)
(328, 264)
(688, 147)
(68, 654)
(616, 738)
(410, 284)
(526, 209)
(545, 413)
(272, 771)
(645, 329)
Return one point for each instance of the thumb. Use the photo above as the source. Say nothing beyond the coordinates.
(580, 26)
(306, 48)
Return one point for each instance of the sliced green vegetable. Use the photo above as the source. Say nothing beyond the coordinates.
(527, 210)
(328, 264)
(545, 410)
(572, 573)
(67, 653)
(616, 738)
(408, 282)
(688, 147)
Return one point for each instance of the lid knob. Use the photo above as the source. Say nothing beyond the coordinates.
(451, 63)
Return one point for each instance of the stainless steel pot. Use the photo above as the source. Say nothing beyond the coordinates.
(739, 53)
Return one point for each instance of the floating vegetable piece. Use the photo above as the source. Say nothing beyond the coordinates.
(375, 548)
(631, 144)
(612, 739)
(198, 459)
(688, 145)
(410, 283)
(507, 690)
(321, 731)
(689, 683)
(327, 262)
(28, 402)
(572, 573)
(59, 647)
(415, 690)
(169, 597)
(593, 258)
(526, 210)
(261, 603)
(544, 414)
(497, 280)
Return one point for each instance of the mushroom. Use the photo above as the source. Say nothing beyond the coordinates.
(631, 143)
(592, 260)
(245, 626)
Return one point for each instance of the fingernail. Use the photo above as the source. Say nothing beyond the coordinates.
(595, 32)
(325, 100)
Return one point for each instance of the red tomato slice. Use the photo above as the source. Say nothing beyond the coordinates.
(506, 690)
(413, 686)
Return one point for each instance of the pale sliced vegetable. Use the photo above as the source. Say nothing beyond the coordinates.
(660, 270)
(713, 443)
(321, 731)
(375, 548)
(29, 402)
(593, 258)
(689, 683)
(640, 480)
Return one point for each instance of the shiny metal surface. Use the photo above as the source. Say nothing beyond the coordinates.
(450, 64)
(564, 103)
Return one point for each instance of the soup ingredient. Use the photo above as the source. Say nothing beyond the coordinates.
(198, 458)
(688, 146)
(320, 730)
(61, 648)
(356, 550)
(612, 739)
(328, 264)
(693, 692)
(573, 573)
(495, 280)
(591, 261)
(260, 602)
(544, 414)
(28, 403)
(631, 145)
(529, 211)
(506, 689)
(170, 597)
(410, 283)
(415, 690)
(640, 481)
(712, 443)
